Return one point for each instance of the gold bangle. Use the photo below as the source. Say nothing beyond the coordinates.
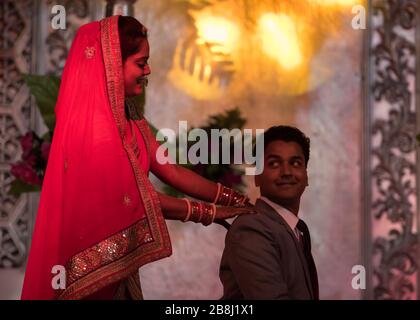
(209, 213)
(201, 211)
(230, 198)
(195, 211)
(219, 187)
(224, 196)
(213, 213)
(188, 209)
(239, 198)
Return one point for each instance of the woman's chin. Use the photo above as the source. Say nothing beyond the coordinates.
(134, 92)
(138, 90)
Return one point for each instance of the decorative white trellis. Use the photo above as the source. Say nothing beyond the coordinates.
(391, 151)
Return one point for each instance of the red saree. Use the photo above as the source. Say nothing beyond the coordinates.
(99, 215)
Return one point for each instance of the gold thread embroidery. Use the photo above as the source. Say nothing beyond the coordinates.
(107, 251)
(143, 128)
(127, 200)
(134, 143)
(90, 52)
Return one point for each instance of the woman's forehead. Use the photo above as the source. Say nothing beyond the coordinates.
(142, 52)
(143, 48)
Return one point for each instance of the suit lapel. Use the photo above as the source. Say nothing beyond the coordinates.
(265, 208)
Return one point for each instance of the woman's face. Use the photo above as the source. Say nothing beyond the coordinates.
(136, 70)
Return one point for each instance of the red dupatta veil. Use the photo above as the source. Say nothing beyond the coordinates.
(99, 215)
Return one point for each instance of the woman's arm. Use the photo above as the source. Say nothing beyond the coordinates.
(187, 181)
(173, 208)
(177, 209)
(180, 178)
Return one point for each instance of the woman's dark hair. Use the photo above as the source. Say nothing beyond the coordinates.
(131, 33)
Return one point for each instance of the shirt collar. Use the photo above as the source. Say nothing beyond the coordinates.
(288, 216)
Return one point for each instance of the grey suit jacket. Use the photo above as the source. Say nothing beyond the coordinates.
(263, 259)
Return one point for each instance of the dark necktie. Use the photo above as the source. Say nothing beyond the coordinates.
(306, 241)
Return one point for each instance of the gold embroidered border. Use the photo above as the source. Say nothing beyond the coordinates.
(110, 43)
(143, 127)
(145, 241)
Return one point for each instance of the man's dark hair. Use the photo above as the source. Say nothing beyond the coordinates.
(288, 134)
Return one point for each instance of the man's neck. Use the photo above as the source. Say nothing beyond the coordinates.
(292, 206)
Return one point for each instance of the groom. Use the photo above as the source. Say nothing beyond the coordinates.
(268, 255)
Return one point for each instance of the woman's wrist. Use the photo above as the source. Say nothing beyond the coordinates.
(228, 197)
(200, 212)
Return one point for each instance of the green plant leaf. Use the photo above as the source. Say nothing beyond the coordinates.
(45, 90)
(18, 187)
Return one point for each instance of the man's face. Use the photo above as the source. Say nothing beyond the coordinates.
(136, 70)
(284, 177)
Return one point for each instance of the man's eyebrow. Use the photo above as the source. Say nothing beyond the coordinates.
(270, 156)
(297, 157)
(274, 156)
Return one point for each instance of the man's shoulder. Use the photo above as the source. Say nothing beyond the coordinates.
(255, 228)
(249, 218)
(254, 221)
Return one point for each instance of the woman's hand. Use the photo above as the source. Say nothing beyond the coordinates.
(230, 212)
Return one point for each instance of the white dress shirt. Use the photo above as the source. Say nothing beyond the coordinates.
(290, 218)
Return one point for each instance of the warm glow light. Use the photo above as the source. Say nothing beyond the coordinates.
(280, 40)
(336, 2)
(196, 81)
(207, 72)
(280, 45)
(217, 30)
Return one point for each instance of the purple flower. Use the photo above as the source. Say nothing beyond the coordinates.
(230, 179)
(45, 150)
(30, 160)
(27, 142)
(26, 173)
